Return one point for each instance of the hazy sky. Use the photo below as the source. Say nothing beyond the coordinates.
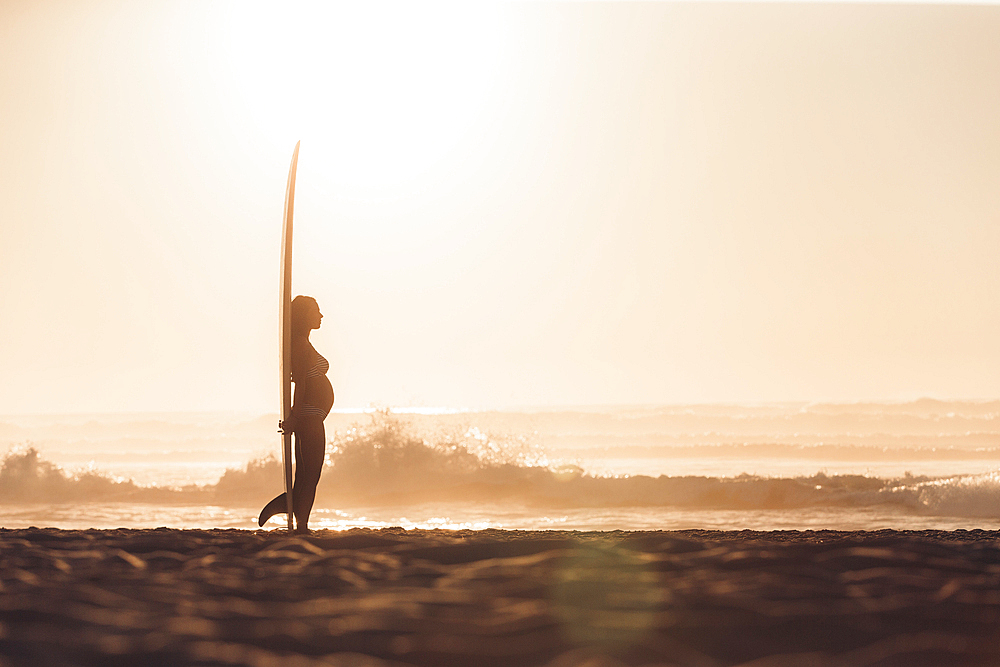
(499, 205)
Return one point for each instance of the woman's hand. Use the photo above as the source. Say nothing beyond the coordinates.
(287, 426)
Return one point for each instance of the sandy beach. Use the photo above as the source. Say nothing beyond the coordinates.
(562, 599)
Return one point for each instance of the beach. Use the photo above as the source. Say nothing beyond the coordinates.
(494, 597)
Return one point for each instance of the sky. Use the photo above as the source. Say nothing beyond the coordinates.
(499, 205)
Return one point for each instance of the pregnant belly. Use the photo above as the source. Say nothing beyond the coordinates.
(319, 393)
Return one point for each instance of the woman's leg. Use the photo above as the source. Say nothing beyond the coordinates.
(310, 451)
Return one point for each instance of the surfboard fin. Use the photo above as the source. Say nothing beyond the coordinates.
(276, 506)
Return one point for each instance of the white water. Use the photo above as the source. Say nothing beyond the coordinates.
(931, 465)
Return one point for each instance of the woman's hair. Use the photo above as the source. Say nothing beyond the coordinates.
(301, 306)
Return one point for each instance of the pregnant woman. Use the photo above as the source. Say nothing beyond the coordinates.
(311, 402)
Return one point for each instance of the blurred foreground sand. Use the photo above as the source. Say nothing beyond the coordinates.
(517, 598)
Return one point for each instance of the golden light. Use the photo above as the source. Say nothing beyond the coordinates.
(380, 94)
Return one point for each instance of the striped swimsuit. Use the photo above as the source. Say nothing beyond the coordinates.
(319, 368)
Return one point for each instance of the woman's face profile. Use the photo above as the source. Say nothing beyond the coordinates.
(314, 317)
(305, 314)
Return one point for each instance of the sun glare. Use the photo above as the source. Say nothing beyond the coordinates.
(386, 91)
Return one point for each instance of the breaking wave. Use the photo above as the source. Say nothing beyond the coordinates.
(25, 477)
(389, 464)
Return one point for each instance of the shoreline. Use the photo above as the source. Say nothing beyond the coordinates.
(958, 534)
(380, 597)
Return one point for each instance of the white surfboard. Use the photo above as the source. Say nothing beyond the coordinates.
(285, 330)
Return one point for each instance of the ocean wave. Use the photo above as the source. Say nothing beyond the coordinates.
(25, 477)
(388, 463)
(976, 496)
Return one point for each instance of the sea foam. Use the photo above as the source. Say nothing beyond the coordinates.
(390, 464)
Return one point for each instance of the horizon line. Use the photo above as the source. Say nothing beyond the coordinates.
(444, 410)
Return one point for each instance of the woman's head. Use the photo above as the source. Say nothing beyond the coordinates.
(305, 315)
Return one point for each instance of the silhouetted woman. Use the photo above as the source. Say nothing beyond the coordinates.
(311, 402)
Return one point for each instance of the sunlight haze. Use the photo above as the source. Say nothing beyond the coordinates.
(499, 205)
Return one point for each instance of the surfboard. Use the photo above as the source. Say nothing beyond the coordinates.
(285, 330)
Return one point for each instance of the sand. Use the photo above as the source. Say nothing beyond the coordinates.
(492, 598)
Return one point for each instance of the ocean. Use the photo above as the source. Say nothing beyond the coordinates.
(788, 466)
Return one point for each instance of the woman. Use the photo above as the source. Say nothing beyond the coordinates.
(311, 402)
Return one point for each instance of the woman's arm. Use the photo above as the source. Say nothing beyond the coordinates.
(300, 361)
(288, 425)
